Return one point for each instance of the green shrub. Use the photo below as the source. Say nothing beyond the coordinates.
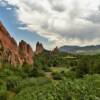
(2, 87)
(36, 72)
(70, 74)
(57, 75)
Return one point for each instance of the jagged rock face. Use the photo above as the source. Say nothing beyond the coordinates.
(7, 40)
(39, 48)
(12, 53)
(9, 48)
(55, 50)
(7, 56)
(26, 52)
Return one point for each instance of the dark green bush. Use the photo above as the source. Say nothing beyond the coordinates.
(57, 75)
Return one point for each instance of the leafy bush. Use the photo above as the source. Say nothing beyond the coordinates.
(36, 72)
(3, 90)
(66, 89)
(70, 74)
(2, 87)
(57, 75)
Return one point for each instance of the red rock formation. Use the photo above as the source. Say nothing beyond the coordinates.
(6, 39)
(55, 50)
(39, 48)
(11, 52)
(9, 45)
(26, 52)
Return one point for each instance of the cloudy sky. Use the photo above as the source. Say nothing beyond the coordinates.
(53, 22)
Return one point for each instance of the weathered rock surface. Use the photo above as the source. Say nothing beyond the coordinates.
(55, 50)
(39, 48)
(11, 52)
(26, 52)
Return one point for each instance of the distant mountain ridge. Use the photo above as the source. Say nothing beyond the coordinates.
(92, 49)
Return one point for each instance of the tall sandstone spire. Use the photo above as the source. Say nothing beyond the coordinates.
(39, 48)
(26, 52)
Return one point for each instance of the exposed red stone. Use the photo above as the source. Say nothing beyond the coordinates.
(26, 52)
(39, 48)
(10, 51)
(6, 39)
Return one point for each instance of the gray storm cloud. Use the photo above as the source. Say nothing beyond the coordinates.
(74, 22)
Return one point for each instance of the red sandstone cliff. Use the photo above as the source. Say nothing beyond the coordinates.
(26, 52)
(11, 52)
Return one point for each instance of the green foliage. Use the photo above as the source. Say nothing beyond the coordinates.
(57, 75)
(12, 85)
(52, 77)
(70, 74)
(2, 87)
(67, 89)
(46, 60)
(87, 65)
(26, 67)
(83, 67)
(36, 72)
(3, 90)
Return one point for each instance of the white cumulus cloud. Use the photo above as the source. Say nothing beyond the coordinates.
(70, 22)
